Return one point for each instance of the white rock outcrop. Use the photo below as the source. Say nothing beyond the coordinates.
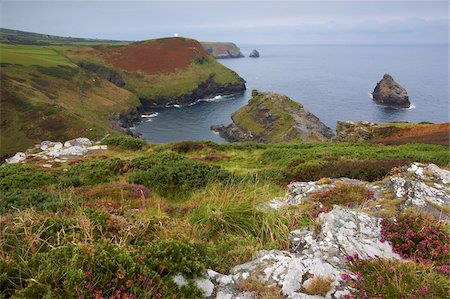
(57, 151)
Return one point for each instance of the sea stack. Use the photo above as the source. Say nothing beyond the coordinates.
(254, 54)
(270, 117)
(390, 93)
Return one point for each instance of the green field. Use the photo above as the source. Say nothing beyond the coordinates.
(28, 55)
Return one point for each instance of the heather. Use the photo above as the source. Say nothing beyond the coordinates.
(122, 222)
(383, 278)
(419, 237)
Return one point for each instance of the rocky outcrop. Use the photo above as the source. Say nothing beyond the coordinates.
(342, 234)
(222, 50)
(104, 72)
(50, 152)
(426, 187)
(390, 93)
(208, 89)
(394, 133)
(254, 54)
(271, 117)
(314, 253)
(351, 131)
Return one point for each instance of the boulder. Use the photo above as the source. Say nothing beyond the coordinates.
(390, 93)
(254, 54)
(82, 142)
(18, 157)
(270, 117)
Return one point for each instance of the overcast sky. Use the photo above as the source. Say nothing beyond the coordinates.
(243, 22)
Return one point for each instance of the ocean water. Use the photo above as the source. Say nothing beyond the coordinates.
(333, 82)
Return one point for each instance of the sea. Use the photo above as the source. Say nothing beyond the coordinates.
(333, 82)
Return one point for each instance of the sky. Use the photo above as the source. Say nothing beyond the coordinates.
(242, 22)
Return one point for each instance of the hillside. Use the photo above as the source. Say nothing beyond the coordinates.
(70, 91)
(164, 71)
(31, 38)
(200, 219)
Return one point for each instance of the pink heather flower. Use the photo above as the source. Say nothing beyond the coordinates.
(423, 291)
(346, 277)
(381, 279)
(349, 258)
(121, 276)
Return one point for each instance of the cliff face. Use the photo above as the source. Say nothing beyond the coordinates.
(390, 93)
(270, 117)
(222, 50)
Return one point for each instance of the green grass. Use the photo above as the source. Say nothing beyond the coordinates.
(28, 55)
(66, 233)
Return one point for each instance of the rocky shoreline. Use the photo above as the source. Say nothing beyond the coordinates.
(208, 89)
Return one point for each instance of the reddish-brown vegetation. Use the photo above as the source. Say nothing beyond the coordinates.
(158, 56)
(433, 134)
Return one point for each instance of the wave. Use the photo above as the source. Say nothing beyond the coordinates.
(412, 106)
(370, 95)
(150, 115)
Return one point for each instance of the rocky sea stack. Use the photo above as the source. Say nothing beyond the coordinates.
(254, 54)
(390, 93)
(270, 117)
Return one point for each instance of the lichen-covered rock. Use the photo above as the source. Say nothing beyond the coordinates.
(424, 186)
(322, 254)
(270, 117)
(390, 93)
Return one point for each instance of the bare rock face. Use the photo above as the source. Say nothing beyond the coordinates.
(222, 50)
(270, 117)
(390, 93)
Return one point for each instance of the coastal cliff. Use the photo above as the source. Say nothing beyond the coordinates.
(98, 88)
(222, 50)
(270, 117)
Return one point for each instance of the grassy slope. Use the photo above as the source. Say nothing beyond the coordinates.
(46, 96)
(249, 118)
(181, 77)
(99, 217)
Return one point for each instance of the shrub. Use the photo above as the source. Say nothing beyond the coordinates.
(190, 146)
(383, 278)
(91, 172)
(419, 237)
(347, 195)
(16, 176)
(125, 142)
(366, 170)
(173, 175)
(20, 200)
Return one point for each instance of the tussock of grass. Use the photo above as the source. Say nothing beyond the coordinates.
(319, 285)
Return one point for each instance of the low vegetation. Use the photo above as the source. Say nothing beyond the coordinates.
(382, 278)
(123, 222)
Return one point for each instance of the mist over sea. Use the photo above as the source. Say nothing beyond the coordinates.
(333, 82)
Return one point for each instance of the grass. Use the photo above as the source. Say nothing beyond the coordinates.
(319, 285)
(29, 55)
(59, 239)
